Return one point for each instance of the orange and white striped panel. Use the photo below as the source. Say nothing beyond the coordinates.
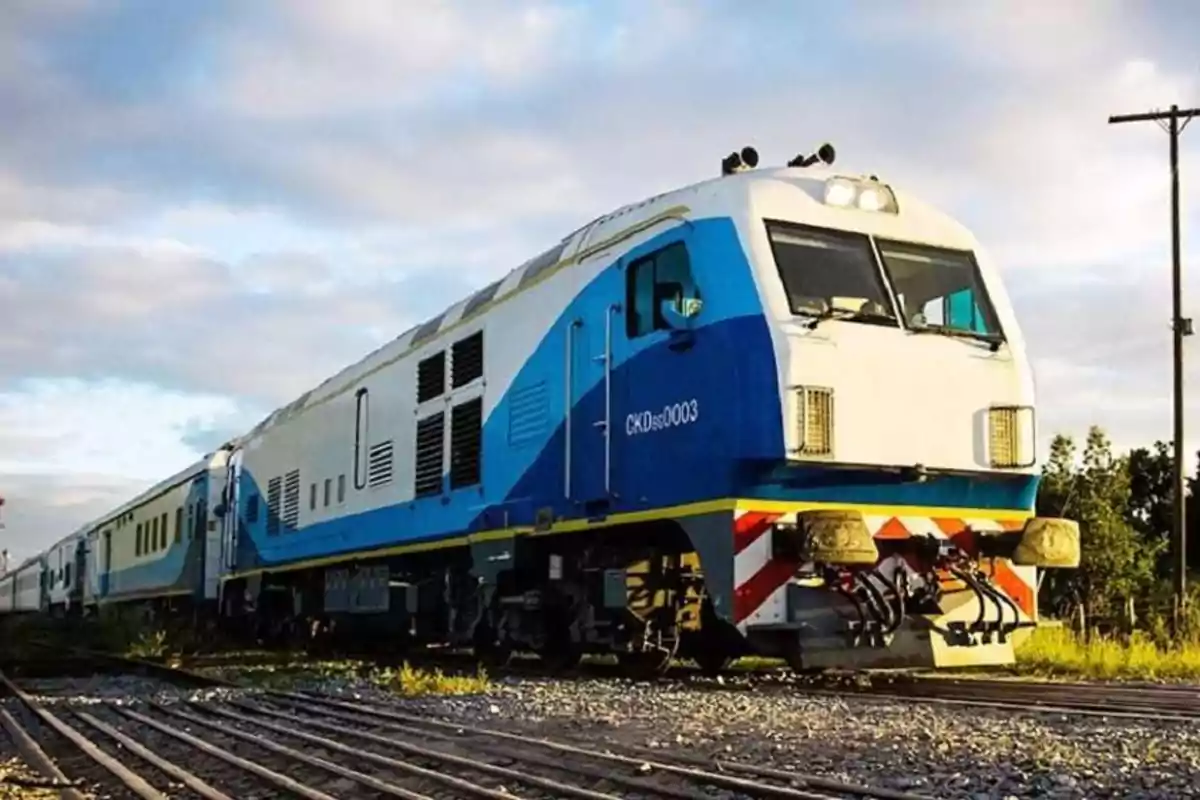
(760, 580)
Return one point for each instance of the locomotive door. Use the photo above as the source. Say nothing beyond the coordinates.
(104, 564)
(667, 368)
(79, 573)
(594, 402)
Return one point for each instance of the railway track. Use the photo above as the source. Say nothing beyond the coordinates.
(240, 743)
(1015, 694)
(1085, 699)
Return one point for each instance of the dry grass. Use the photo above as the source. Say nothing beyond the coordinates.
(1062, 652)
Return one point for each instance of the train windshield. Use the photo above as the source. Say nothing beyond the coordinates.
(827, 273)
(939, 290)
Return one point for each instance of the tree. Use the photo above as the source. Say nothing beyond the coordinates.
(1150, 508)
(1116, 562)
(1150, 491)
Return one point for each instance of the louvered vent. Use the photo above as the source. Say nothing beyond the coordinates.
(379, 466)
(274, 495)
(466, 443)
(291, 500)
(466, 362)
(528, 413)
(431, 377)
(430, 459)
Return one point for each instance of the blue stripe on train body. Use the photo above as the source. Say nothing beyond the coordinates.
(693, 418)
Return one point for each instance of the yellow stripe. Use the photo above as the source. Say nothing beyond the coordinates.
(949, 512)
(672, 512)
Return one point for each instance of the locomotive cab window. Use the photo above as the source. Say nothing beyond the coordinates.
(657, 285)
(939, 289)
(830, 273)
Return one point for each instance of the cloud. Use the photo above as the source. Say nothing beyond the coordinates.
(42, 509)
(108, 427)
(71, 450)
(310, 59)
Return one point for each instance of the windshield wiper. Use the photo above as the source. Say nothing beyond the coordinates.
(848, 314)
(994, 340)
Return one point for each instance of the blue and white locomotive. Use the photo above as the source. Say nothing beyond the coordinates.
(786, 410)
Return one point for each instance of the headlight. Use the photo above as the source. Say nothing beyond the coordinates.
(839, 192)
(866, 195)
(1011, 437)
(814, 421)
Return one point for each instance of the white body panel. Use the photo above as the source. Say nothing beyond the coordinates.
(28, 597)
(315, 434)
(900, 398)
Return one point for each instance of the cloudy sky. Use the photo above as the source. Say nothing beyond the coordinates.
(207, 207)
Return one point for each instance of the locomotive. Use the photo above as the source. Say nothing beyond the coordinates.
(786, 411)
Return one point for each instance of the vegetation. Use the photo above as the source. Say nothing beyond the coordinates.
(1122, 621)
(1062, 652)
(414, 682)
(1123, 505)
(407, 680)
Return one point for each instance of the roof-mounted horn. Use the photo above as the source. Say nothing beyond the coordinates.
(825, 154)
(739, 162)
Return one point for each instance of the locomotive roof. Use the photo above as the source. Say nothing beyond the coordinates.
(567, 250)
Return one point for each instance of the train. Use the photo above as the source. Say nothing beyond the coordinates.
(785, 410)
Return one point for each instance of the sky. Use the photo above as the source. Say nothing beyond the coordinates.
(207, 208)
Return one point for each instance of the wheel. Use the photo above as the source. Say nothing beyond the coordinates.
(645, 665)
(795, 659)
(560, 653)
(489, 652)
(711, 662)
(561, 658)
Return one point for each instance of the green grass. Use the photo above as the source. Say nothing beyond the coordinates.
(1060, 652)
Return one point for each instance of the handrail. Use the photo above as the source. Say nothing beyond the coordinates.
(569, 399)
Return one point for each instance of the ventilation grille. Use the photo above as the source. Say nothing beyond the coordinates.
(274, 492)
(431, 377)
(528, 414)
(815, 423)
(430, 458)
(467, 360)
(379, 464)
(291, 500)
(466, 443)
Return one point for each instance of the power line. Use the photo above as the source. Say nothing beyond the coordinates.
(1176, 120)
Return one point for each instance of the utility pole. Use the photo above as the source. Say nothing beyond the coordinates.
(1176, 120)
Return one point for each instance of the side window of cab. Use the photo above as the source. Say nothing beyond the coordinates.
(660, 290)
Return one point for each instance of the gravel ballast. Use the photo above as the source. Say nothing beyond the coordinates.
(938, 751)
